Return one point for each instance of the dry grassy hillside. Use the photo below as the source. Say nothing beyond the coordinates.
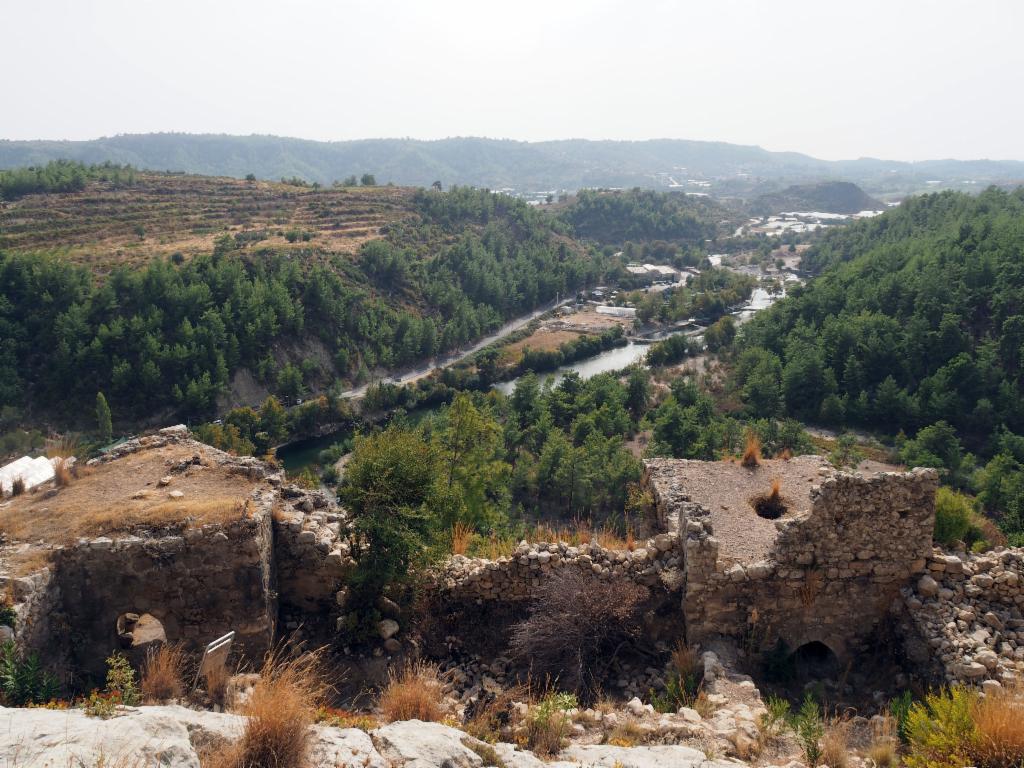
(164, 214)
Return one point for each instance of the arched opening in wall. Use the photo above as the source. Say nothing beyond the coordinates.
(139, 630)
(815, 661)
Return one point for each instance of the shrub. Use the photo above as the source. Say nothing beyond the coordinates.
(940, 730)
(490, 714)
(577, 624)
(846, 453)
(283, 706)
(162, 673)
(548, 723)
(809, 730)
(414, 693)
(999, 726)
(752, 451)
(22, 678)
(835, 750)
(121, 680)
(775, 719)
(882, 752)
(683, 685)
(17, 486)
(899, 709)
(61, 473)
(462, 536)
(484, 751)
(953, 514)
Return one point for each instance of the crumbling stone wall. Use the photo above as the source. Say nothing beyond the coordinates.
(513, 578)
(830, 575)
(313, 563)
(968, 610)
(199, 584)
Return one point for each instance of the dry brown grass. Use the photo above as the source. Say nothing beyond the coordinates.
(215, 681)
(163, 673)
(999, 721)
(413, 693)
(752, 451)
(835, 744)
(489, 718)
(462, 536)
(64, 447)
(883, 749)
(582, 532)
(62, 473)
(279, 714)
(686, 660)
(124, 495)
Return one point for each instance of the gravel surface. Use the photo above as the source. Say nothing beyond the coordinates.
(726, 489)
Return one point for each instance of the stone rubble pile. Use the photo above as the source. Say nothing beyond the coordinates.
(969, 609)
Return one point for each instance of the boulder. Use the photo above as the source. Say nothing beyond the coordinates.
(927, 586)
(659, 756)
(387, 628)
(416, 744)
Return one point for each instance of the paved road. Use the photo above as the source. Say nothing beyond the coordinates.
(452, 358)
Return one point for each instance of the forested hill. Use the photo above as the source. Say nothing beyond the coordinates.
(617, 217)
(270, 289)
(916, 325)
(828, 196)
(567, 164)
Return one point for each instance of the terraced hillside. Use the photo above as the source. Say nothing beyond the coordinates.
(166, 214)
(177, 295)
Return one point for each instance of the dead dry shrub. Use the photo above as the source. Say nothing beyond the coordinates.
(490, 715)
(835, 744)
(999, 725)
(686, 660)
(883, 749)
(577, 624)
(283, 706)
(414, 692)
(17, 486)
(163, 673)
(462, 537)
(62, 476)
(751, 451)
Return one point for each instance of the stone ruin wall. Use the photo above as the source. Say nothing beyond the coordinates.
(968, 612)
(513, 578)
(200, 585)
(285, 559)
(831, 574)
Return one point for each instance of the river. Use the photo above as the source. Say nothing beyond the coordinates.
(300, 454)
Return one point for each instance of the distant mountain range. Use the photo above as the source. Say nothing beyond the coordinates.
(716, 167)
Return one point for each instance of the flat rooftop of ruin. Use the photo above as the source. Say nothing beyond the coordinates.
(165, 487)
(728, 491)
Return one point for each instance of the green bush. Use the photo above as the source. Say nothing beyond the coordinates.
(121, 680)
(809, 729)
(22, 678)
(953, 514)
(940, 730)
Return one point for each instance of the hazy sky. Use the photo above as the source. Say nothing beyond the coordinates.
(899, 79)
